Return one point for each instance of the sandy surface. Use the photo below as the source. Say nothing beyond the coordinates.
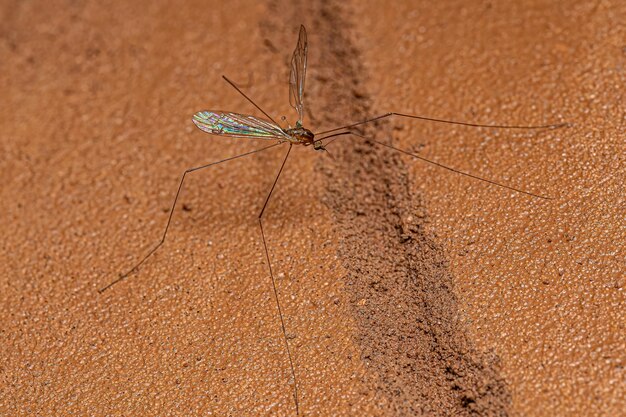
(407, 290)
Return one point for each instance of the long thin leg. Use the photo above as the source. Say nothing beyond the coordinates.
(169, 219)
(249, 99)
(269, 264)
(432, 119)
(334, 137)
(467, 174)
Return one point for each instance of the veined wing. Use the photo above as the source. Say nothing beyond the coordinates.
(237, 125)
(298, 73)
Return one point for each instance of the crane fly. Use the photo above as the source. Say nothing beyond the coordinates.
(238, 125)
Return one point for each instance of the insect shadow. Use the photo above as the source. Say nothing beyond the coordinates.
(238, 125)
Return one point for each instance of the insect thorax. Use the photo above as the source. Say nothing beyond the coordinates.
(302, 135)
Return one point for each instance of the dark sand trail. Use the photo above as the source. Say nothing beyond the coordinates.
(398, 284)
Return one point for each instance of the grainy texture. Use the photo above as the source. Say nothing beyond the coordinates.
(406, 290)
(96, 131)
(398, 283)
(541, 284)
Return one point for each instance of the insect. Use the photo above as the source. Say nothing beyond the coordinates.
(238, 125)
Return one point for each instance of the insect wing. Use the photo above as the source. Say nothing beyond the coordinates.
(298, 73)
(237, 125)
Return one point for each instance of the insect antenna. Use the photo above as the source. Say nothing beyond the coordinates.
(169, 219)
(249, 99)
(440, 165)
(269, 264)
(452, 122)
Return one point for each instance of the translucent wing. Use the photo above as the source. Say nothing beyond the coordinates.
(298, 73)
(237, 125)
